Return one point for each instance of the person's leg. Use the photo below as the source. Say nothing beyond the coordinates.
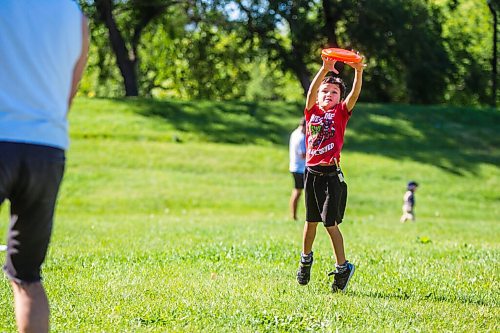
(344, 269)
(309, 236)
(298, 182)
(31, 307)
(314, 196)
(33, 198)
(334, 213)
(337, 244)
(335, 207)
(404, 216)
(294, 200)
(306, 257)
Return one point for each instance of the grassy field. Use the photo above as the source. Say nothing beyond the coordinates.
(173, 217)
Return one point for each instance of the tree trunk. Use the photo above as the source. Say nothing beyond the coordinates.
(332, 15)
(126, 65)
(494, 58)
(297, 64)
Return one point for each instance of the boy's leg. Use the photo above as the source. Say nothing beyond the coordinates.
(337, 243)
(309, 236)
(335, 212)
(31, 307)
(344, 269)
(306, 257)
(313, 190)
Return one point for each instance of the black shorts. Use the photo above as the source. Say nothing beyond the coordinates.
(298, 180)
(30, 176)
(326, 195)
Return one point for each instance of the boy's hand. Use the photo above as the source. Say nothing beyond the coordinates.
(359, 66)
(329, 64)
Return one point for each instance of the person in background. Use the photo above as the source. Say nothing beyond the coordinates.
(43, 52)
(409, 202)
(297, 148)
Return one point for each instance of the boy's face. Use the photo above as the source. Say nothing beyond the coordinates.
(328, 95)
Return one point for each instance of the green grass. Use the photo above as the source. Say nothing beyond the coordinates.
(173, 217)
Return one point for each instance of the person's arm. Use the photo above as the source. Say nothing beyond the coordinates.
(312, 94)
(353, 96)
(82, 61)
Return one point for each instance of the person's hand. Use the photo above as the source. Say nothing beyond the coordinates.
(329, 64)
(358, 66)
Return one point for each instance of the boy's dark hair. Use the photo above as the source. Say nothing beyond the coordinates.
(338, 81)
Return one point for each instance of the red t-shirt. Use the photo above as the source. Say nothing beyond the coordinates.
(325, 133)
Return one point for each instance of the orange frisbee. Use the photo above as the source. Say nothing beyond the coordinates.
(341, 55)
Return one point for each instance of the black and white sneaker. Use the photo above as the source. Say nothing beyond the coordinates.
(341, 276)
(304, 272)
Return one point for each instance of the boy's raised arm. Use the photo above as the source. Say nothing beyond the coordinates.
(312, 94)
(352, 98)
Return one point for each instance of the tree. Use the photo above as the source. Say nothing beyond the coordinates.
(466, 29)
(125, 38)
(402, 40)
(286, 30)
(196, 54)
(403, 44)
(418, 51)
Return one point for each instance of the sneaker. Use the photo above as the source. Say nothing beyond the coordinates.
(341, 279)
(304, 272)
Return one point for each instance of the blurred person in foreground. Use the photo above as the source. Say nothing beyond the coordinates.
(44, 46)
(297, 150)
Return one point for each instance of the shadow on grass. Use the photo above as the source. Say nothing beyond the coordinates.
(454, 139)
(431, 296)
(227, 122)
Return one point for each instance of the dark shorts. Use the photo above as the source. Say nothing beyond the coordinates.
(298, 180)
(326, 195)
(30, 176)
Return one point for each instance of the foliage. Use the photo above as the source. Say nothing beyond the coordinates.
(423, 52)
(268, 82)
(404, 39)
(466, 31)
(202, 62)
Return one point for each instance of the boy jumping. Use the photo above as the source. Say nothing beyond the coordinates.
(326, 114)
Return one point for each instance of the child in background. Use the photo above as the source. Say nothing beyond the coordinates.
(409, 203)
(327, 112)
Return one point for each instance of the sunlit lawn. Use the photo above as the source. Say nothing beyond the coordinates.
(173, 217)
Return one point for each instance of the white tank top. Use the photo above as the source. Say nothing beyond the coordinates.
(40, 43)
